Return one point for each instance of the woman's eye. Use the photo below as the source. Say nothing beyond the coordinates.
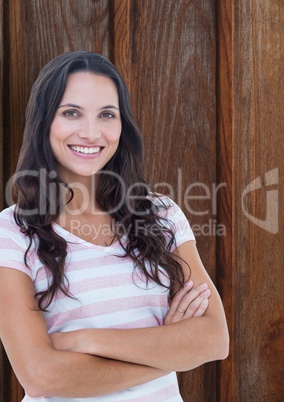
(107, 115)
(70, 113)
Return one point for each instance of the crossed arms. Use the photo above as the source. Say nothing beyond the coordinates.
(94, 362)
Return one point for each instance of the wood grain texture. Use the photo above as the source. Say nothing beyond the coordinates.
(173, 97)
(121, 39)
(224, 146)
(249, 97)
(258, 333)
(173, 94)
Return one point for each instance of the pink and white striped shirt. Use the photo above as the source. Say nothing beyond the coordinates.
(108, 293)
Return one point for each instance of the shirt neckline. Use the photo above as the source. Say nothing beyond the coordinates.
(68, 235)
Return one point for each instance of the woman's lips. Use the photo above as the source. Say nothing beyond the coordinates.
(85, 151)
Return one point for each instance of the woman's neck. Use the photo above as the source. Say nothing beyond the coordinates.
(83, 201)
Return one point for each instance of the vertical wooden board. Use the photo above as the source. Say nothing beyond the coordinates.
(37, 32)
(121, 38)
(224, 274)
(258, 251)
(173, 97)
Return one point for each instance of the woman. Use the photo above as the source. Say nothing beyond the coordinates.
(95, 296)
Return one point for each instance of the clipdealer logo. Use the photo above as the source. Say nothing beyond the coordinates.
(270, 223)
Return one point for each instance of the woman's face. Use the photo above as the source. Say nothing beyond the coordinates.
(86, 128)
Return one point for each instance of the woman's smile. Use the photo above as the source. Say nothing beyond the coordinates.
(86, 151)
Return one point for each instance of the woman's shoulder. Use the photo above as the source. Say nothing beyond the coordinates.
(7, 215)
(12, 239)
(166, 206)
(8, 226)
(173, 217)
(160, 199)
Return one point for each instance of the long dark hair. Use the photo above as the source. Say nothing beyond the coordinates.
(150, 243)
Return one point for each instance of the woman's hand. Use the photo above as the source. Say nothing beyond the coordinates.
(188, 302)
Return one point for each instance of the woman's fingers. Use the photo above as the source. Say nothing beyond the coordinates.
(179, 296)
(171, 316)
(197, 307)
(202, 308)
(188, 302)
(191, 300)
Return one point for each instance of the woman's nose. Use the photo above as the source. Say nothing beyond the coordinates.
(90, 130)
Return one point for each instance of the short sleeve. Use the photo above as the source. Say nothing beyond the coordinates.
(177, 221)
(183, 231)
(13, 244)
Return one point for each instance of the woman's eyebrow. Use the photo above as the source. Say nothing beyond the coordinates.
(71, 105)
(80, 107)
(109, 107)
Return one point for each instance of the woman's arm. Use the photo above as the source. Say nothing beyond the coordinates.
(183, 345)
(44, 371)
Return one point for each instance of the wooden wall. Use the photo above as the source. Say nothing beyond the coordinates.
(249, 146)
(205, 81)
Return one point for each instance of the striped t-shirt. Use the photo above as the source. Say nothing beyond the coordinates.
(108, 293)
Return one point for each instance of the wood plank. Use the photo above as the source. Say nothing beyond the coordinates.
(173, 97)
(258, 251)
(121, 39)
(224, 94)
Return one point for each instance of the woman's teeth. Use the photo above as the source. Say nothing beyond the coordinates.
(85, 150)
